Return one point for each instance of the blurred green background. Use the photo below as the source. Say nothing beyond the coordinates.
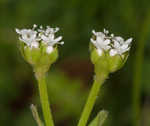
(125, 94)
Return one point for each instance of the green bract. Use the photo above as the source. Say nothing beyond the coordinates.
(105, 63)
(38, 57)
(116, 62)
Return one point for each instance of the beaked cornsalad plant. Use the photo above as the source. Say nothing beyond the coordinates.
(38, 46)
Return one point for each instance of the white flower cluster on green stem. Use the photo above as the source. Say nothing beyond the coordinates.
(38, 47)
(104, 41)
(33, 37)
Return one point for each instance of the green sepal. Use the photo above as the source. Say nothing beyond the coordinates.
(45, 61)
(21, 48)
(99, 119)
(33, 55)
(105, 63)
(95, 57)
(100, 63)
(114, 63)
(117, 62)
(38, 58)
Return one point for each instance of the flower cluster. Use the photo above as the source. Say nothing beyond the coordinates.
(36, 36)
(104, 41)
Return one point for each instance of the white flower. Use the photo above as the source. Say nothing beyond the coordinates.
(114, 45)
(101, 42)
(27, 36)
(33, 37)
(50, 30)
(50, 39)
(120, 46)
(48, 36)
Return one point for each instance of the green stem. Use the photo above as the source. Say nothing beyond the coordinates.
(90, 102)
(44, 101)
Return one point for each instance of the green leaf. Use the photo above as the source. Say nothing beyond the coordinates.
(99, 119)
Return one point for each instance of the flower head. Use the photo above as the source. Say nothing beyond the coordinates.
(37, 46)
(108, 52)
(101, 42)
(35, 36)
(27, 36)
(114, 45)
(120, 46)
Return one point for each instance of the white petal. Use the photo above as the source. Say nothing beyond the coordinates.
(41, 27)
(112, 52)
(106, 31)
(116, 44)
(56, 29)
(34, 26)
(124, 47)
(17, 30)
(112, 35)
(35, 44)
(51, 36)
(119, 39)
(58, 39)
(107, 41)
(101, 34)
(44, 38)
(49, 49)
(62, 42)
(128, 41)
(93, 41)
(128, 49)
(93, 31)
(99, 39)
(99, 51)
